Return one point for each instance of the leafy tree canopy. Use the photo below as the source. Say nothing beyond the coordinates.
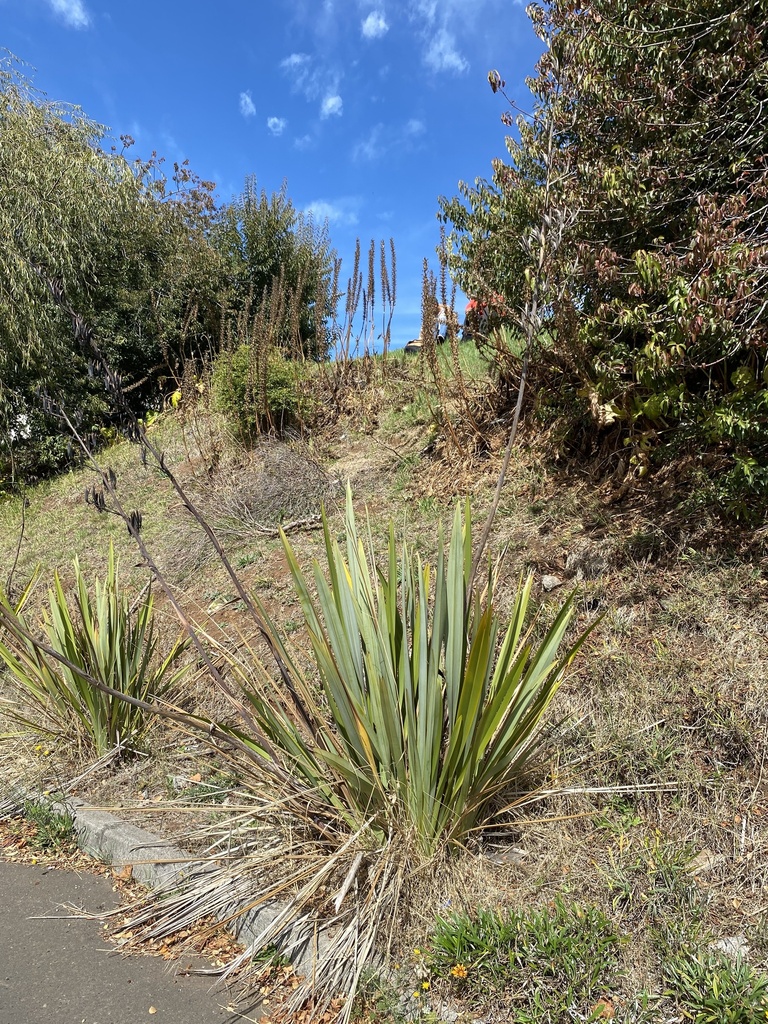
(96, 249)
(279, 265)
(659, 309)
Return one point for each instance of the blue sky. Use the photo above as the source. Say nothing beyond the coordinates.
(370, 109)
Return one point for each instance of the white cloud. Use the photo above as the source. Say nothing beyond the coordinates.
(72, 11)
(295, 62)
(427, 9)
(332, 106)
(303, 141)
(382, 139)
(298, 68)
(340, 211)
(247, 109)
(374, 26)
(441, 53)
(372, 148)
(314, 81)
(277, 125)
(441, 24)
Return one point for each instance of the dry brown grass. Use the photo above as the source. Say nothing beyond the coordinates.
(665, 732)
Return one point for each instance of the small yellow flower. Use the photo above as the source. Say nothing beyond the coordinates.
(458, 971)
(425, 985)
(417, 952)
(416, 995)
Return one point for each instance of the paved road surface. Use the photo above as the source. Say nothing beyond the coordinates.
(61, 971)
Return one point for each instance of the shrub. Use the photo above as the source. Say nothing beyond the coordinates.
(256, 390)
(102, 641)
(647, 121)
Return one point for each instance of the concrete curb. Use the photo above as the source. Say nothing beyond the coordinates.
(158, 864)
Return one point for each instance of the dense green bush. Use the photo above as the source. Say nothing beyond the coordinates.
(257, 389)
(279, 269)
(111, 262)
(658, 174)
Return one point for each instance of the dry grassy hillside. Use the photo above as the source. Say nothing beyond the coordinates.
(650, 826)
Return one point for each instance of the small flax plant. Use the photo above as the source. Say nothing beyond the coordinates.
(102, 642)
(416, 726)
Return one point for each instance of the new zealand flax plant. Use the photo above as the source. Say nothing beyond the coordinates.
(427, 710)
(415, 726)
(84, 637)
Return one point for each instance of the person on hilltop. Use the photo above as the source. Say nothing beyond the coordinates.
(481, 315)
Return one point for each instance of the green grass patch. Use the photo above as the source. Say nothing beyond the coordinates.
(709, 987)
(54, 830)
(555, 963)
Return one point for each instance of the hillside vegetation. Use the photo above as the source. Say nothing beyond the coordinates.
(459, 656)
(651, 800)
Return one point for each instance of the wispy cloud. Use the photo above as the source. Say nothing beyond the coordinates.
(427, 9)
(314, 81)
(171, 147)
(374, 26)
(370, 148)
(332, 106)
(439, 24)
(304, 75)
(297, 66)
(441, 53)
(72, 12)
(381, 139)
(277, 125)
(247, 109)
(342, 212)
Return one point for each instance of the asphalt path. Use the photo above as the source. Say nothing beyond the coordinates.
(56, 969)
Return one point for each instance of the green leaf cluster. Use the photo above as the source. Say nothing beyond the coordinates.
(100, 640)
(256, 389)
(425, 722)
(98, 251)
(278, 271)
(657, 309)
